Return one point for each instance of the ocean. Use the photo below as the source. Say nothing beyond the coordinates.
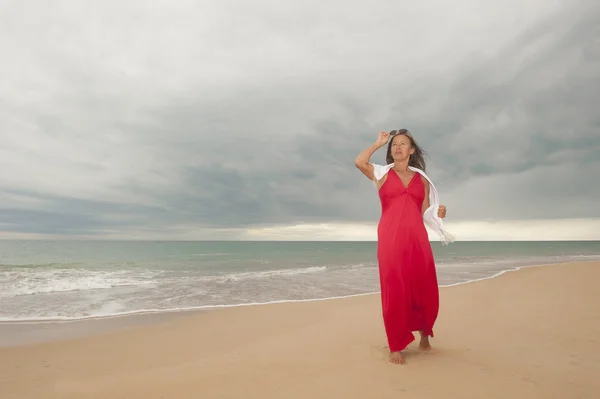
(69, 280)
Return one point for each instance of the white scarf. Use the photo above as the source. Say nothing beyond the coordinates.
(430, 217)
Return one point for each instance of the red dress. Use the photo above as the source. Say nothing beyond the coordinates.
(409, 289)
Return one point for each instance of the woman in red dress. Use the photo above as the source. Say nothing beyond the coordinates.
(409, 288)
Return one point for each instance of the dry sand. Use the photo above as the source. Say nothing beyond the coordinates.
(528, 334)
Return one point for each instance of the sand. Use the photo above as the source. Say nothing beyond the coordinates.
(534, 333)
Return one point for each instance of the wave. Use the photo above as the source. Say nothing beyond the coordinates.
(58, 265)
(25, 281)
(481, 261)
(17, 282)
(37, 320)
(265, 274)
(203, 291)
(171, 310)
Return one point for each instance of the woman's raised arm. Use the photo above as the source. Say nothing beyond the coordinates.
(363, 160)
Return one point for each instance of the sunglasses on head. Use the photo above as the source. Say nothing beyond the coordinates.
(401, 131)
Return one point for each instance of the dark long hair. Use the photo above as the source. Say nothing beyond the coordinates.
(417, 159)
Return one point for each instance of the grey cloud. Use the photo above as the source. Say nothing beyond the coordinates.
(43, 222)
(527, 110)
(68, 215)
(564, 191)
(263, 127)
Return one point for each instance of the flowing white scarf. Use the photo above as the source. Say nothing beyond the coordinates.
(430, 217)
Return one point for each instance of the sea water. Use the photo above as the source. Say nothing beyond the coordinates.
(65, 280)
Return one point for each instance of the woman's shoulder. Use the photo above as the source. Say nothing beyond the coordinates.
(380, 170)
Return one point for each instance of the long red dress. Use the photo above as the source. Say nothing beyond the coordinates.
(409, 288)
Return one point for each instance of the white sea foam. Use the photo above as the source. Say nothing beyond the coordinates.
(29, 281)
(181, 309)
(110, 310)
(266, 274)
(52, 294)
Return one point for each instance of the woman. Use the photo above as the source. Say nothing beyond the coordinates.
(409, 289)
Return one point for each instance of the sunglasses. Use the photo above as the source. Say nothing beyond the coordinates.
(400, 131)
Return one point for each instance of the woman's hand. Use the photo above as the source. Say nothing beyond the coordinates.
(382, 139)
(442, 211)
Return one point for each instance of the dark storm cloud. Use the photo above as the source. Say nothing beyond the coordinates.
(64, 215)
(258, 123)
(42, 222)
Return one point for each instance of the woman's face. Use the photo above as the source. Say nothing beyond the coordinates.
(401, 148)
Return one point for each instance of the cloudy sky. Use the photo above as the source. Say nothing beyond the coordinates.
(242, 119)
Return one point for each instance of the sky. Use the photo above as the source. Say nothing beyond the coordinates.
(241, 120)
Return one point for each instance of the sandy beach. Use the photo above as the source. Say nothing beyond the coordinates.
(534, 333)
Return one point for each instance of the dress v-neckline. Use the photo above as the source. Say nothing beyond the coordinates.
(401, 182)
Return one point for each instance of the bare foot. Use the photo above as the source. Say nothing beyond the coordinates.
(424, 344)
(396, 358)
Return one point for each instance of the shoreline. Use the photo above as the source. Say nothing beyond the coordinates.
(205, 308)
(28, 332)
(511, 336)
